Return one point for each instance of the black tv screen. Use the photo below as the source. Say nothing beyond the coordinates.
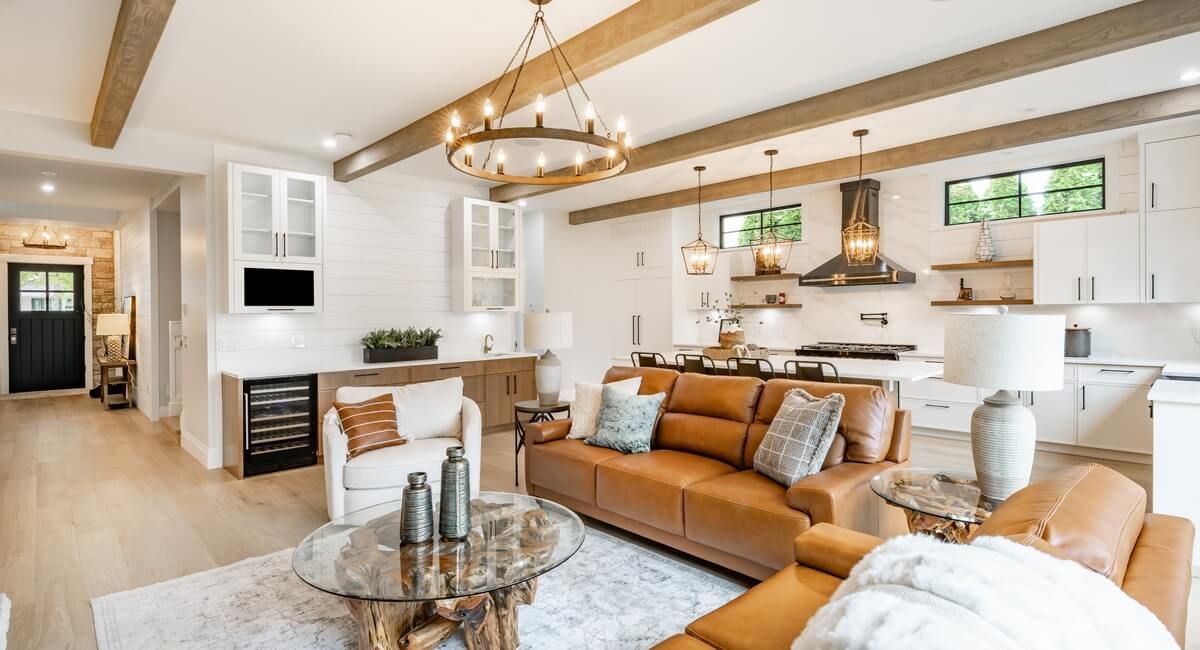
(278, 287)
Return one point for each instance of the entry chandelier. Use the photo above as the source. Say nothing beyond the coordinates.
(699, 257)
(770, 251)
(606, 155)
(860, 239)
(44, 237)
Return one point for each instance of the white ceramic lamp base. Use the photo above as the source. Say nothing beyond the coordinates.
(548, 376)
(1003, 435)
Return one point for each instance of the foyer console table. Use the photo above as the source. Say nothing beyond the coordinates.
(124, 379)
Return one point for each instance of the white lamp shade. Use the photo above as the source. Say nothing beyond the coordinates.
(112, 325)
(1005, 351)
(547, 330)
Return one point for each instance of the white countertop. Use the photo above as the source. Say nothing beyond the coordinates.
(309, 368)
(1094, 360)
(1178, 392)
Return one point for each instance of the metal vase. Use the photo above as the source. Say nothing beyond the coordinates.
(416, 510)
(454, 520)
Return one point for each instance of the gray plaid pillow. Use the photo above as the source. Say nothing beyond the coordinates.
(799, 437)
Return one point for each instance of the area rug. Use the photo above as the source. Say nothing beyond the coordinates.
(612, 594)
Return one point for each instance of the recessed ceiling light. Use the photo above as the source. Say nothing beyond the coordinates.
(522, 202)
(47, 187)
(1190, 75)
(336, 141)
(895, 197)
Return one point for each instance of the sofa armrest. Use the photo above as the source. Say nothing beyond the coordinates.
(472, 440)
(335, 457)
(538, 432)
(832, 549)
(840, 495)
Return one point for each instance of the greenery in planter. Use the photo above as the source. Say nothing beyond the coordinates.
(406, 338)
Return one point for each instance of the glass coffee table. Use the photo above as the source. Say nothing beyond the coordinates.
(417, 595)
(945, 504)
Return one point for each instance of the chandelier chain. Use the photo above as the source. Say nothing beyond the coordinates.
(699, 223)
(858, 213)
(571, 69)
(528, 43)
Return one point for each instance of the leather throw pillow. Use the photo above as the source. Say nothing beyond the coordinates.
(369, 425)
(585, 410)
(799, 437)
(626, 422)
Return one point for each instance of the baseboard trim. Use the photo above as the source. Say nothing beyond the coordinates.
(170, 411)
(200, 451)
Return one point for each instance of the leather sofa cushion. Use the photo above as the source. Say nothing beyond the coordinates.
(1090, 513)
(771, 615)
(390, 466)
(567, 467)
(868, 420)
(682, 642)
(745, 514)
(708, 415)
(654, 380)
(701, 435)
(649, 487)
(1159, 574)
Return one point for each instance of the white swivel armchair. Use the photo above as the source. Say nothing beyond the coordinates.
(434, 416)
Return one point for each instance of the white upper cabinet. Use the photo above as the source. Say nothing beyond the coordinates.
(1171, 170)
(485, 256)
(275, 215)
(1171, 260)
(641, 248)
(1087, 260)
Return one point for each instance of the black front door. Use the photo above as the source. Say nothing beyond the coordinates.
(45, 327)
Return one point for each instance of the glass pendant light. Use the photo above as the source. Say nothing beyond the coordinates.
(860, 239)
(699, 257)
(771, 252)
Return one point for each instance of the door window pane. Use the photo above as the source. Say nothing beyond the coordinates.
(61, 301)
(33, 280)
(33, 301)
(62, 281)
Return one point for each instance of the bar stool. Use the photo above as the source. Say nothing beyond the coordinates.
(648, 360)
(750, 367)
(811, 371)
(698, 363)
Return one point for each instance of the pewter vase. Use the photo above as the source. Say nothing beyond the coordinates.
(416, 510)
(454, 519)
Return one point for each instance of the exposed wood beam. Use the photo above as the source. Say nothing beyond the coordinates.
(1119, 29)
(637, 29)
(140, 23)
(1123, 113)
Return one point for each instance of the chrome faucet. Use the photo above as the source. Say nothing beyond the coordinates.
(488, 342)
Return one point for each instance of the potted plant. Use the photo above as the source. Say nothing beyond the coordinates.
(411, 344)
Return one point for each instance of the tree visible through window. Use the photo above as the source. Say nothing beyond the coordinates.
(740, 229)
(1073, 187)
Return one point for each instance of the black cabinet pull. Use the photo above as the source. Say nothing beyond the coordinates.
(1152, 286)
(937, 406)
(366, 374)
(1031, 394)
(285, 244)
(1083, 404)
(1153, 195)
(276, 253)
(1119, 372)
(633, 330)
(1093, 287)
(449, 368)
(1078, 289)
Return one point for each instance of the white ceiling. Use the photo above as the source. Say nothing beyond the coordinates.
(76, 185)
(283, 74)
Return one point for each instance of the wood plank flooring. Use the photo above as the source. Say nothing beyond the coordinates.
(95, 501)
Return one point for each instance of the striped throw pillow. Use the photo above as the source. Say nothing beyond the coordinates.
(369, 425)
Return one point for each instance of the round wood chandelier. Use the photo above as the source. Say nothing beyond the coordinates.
(477, 149)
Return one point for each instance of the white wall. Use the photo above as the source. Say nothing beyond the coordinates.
(168, 290)
(135, 281)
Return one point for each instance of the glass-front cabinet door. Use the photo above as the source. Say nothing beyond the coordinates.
(493, 293)
(506, 239)
(301, 221)
(480, 225)
(255, 206)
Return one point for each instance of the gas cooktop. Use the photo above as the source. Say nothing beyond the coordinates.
(880, 351)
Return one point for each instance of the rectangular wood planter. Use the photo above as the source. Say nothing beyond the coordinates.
(392, 355)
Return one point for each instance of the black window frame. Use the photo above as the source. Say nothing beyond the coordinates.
(1020, 195)
(761, 229)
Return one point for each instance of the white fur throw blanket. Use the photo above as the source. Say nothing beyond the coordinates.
(917, 592)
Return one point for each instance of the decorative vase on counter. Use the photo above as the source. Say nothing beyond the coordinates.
(454, 518)
(416, 510)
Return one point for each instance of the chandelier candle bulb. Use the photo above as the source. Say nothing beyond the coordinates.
(487, 114)
(541, 165)
(589, 116)
(449, 136)
(539, 114)
(455, 121)
(612, 155)
(578, 163)
(469, 157)
(621, 130)
(500, 158)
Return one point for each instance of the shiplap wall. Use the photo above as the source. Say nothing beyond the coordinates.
(135, 280)
(387, 264)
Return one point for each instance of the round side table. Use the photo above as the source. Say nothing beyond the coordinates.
(945, 504)
(537, 412)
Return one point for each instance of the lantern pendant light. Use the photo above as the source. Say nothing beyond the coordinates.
(860, 239)
(771, 252)
(699, 257)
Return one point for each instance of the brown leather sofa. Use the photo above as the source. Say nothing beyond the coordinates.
(697, 490)
(1089, 514)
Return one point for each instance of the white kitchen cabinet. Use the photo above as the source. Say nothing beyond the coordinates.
(1115, 417)
(641, 316)
(703, 292)
(641, 248)
(1171, 261)
(1087, 260)
(485, 256)
(1171, 169)
(1054, 412)
(275, 215)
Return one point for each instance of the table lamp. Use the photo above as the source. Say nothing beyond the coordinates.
(113, 326)
(546, 331)
(1008, 353)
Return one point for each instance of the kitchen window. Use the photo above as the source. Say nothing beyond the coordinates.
(743, 227)
(1057, 189)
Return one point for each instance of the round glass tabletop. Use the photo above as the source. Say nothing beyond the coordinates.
(513, 538)
(938, 493)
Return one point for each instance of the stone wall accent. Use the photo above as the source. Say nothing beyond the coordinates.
(85, 242)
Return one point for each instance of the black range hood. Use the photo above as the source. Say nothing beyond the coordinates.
(838, 272)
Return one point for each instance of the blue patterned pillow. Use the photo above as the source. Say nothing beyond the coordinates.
(626, 422)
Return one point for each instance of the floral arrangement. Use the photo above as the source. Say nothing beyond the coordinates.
(407, 338)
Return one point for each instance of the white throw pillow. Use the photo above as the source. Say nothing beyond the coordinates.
(585, 410)
(431, 409)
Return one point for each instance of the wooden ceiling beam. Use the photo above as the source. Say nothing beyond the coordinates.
(1123, 113)
(1119, 29)
(140, 25)
(635, 30)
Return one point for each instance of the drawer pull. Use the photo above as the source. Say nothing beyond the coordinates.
(449, 367)
(937, 406)
(366, 374)
(1119, 372)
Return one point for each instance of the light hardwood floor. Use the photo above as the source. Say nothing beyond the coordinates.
(94, 501)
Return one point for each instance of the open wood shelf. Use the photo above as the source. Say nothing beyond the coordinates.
(757, 278)
(980, 303)
(971, 266)
(769, 306)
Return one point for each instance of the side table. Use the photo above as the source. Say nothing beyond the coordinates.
(942, 503)
(124, 380)
(537, 412)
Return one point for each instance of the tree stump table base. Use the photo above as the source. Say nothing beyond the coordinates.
(947, 530)
(488, 621)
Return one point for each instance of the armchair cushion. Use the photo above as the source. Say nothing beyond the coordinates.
(431, 409)
(368, 425)
(390, 466)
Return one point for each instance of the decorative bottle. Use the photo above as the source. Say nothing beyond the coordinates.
(454, 519)
(416, 510)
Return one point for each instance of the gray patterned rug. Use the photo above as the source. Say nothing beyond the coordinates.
(612, 594)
